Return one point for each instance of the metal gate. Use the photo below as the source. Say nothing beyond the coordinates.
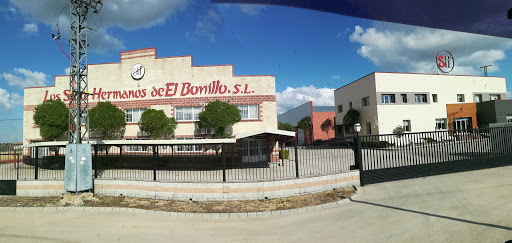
(412, 155)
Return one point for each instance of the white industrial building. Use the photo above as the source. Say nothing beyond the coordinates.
(415, 101)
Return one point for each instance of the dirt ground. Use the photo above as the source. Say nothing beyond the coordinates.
(88, 200)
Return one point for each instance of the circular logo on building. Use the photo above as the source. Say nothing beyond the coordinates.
(137, 71)
(445, 61)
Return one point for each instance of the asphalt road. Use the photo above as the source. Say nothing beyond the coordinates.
(463, 207)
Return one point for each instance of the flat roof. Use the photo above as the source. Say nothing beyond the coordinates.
(137, 142)
(449, 75)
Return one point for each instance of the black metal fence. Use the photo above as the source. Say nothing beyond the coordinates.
(189, 162)
(395, 157)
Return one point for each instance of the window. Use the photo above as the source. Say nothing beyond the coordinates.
(404, 98)
(136, 148)
(407, 125)
(133, 116)
(460, 97)
(350, 105)
(388, 98)
(478, 98)
(420, 98)
(340, 129)
(368, 128)
(509, 118)
(440, 123)
(189, 148)
(340, 108)
(494, 97)
(188, 113)
(434, 98)
(365, 101)
(248, 112)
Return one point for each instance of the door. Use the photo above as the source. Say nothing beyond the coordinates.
(461, 124)
(254, 150)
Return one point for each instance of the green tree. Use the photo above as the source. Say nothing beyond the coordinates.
(107, 120)
(351, 118)
(219, 115)
(157, 124)
(285, 126)
(398, 131)
(52, 119)
(326, 126)
(305, 124)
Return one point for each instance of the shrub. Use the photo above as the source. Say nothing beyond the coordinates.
(398, 131)
(429, 140)
(286, 154)
(376, 144)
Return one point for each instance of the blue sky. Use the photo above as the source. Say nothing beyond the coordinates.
(310, 52)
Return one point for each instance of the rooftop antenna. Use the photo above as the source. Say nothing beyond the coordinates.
(485, 69)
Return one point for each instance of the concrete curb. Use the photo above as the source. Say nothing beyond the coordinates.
(250, 215)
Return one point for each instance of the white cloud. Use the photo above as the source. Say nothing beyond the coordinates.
(293, 97)
(25, 78)
(66, 70)
(509, 95)
(402, 48)
(9, 101)
(12, 10)
(30, 28)
(252, 9)
(124, 14)
(207, 26)
(335, 76)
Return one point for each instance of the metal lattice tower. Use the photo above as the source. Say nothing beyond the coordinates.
(78, 102)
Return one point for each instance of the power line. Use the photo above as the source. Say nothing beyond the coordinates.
(19, 119)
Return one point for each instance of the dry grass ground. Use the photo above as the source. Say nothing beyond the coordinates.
(87, 200)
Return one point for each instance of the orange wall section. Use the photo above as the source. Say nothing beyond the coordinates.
(317, 120)
(461, 110)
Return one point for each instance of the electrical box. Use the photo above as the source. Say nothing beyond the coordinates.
(78, 170)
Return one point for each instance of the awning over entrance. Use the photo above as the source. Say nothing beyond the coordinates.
(281, 135)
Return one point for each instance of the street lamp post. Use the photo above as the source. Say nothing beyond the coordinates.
(357, 147)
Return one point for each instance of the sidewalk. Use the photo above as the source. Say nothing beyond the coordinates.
(463, 207)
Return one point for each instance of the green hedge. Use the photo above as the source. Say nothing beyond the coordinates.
(376, 144)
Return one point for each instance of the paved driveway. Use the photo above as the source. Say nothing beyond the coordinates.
(472, 206)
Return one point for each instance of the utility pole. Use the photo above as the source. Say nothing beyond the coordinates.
(78, 168)
(485, 69)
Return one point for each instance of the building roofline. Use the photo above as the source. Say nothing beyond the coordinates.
(415, 74)
(295, 108)
(156, 57)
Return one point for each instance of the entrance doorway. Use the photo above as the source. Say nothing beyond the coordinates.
(461, 124)
(254, 150)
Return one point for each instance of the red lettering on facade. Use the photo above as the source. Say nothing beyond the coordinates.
(223, 91)
(45, 96)
(186, 86)
(237, 89)
(94, 93)
(66, 93)
(171, 87)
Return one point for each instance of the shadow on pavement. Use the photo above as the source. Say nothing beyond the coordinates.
(435, 215)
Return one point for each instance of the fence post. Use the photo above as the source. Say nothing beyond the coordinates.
(95, 161)
(155, 155)
(37, 163)
(18, 163)
(296, 157)
(223, 162)
(359, 160)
